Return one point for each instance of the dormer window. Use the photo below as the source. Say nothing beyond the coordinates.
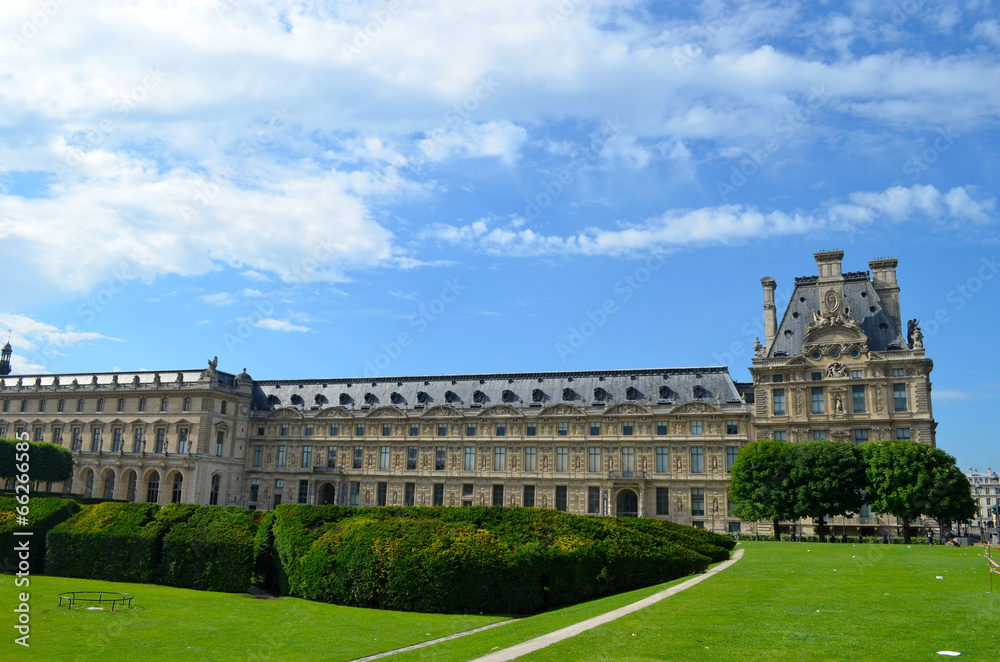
(479, 397)
(297, 399)
(537, 395)
(396, 398)
(600, 395)
(370, 399)
(508, 396)
(665, 392)
(450, 396)
(422, 397)
(631, 393)
(568, 394)
(320, 399)
(345, 399)
(699, 392)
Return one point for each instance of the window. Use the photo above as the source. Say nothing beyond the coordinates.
(501, 429)
(358, 456)
(661, 428)
(307, 452)
(137, 440)
(819, 434)
(662, 460)
(409, 491)
(858, 395)
(282, 455)
(142, 404)
(411, 458)
(697, 460)
(383, 458)
(593, 460)
(902, 433)
(182, 440)
(817, 376)
(730, 508)
(41, 406)
(499, 459)
(220, 437)
(309, 430)
(260, 430)
(386, 430)
(531, 429)
(593, 500)
(470, 459)
(100, 404)
(187, 404)
(164, 403)
(60, 407)
(359, 430)
(697, 502)
(414, 429)
(6, 406)
(497, 495)
(781, 435)
(562, 458)
(595, 429)
(898, 372)
(470, 429)
(628, 461)
(860, 436)
(563, 429)
(857, 374)
(440, 454)
(529, 496)
(56, 435)
(627, 429)
(561, 497)
(778, 378)
(78, 438)
(899, 397)
(381, 494)
(662, 501)
(258, 455)
(438, 498)
(695, 427)
(284, 430)
(153, 488)
(303, 490)
(121, 404)
(222, 408)
(735, 528)
(334, 430)
(530, 459)
(467, 495)
(355, 491)
(731, 454)
(779, 402)
(161, 439)
(442, 429)
(254, 489)
(38, 433)
(732, 427)
(24, 406)
(819, 406)
(331, 457)
(79, 405)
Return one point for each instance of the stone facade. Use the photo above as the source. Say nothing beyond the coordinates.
(986, 492)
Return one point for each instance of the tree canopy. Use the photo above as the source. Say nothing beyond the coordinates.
(760, 487)
(46, 462)
(827, 478)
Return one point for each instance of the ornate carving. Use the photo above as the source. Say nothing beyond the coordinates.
(836, 369)
(628, 409)
(914, 336)
(499, 410)
(391, 412)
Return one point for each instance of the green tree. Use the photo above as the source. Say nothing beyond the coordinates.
(827, 478)
(902, 476)
(951, 496)
(46, 462)
(760, 485)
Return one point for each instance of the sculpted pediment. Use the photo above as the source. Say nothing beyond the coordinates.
(500, 410)
(442, 411)
(284, 412)
(562, 409)
(696, 408)
(390, 412)
(334, 412)
(628, 409)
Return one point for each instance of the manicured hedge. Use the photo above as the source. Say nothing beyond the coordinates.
(212, 549)
(43, 514)
(46, 462)
(454, 560)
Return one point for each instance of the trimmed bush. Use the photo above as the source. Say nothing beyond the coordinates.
(43, 514)
(209, 548)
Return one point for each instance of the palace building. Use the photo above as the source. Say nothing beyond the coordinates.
(647, 442)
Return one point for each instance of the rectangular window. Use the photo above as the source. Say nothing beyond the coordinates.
(627, 429)
(260, 430)
(79, 405)
(409, 492)
(284, 430)
(467, 490)
(818, 404)
(440, 455)
(530, 459)
(819, 434)
(78, 438)
(561, 497)
(187, 404)
(499, 459)
(438, 494)
(817, 376)
(6, 406)
(497, 495)
(60, 407)
(595, 429)
(697, 502)
(222, 407)
(258, 455)
(219, 438)
(41, 406)
(386, 430)
(383, 458)
(697, 460)
(529, 496)
(662, 460)
(100, 404)
(254, 489)
(501, 429)
(563, 429)
(303, 490)
(161, 439)
(355, 492)
(117, 436)
(562, 459)
(779, 402)
(781, 435)
(309, 430)
(696, 427)
(531, 429)
(282, 455)
(593, 500)
(731, 454)
(732, 427)
(331, 457)
(334, 429)
(414, 429)
(470, 429)
(860, 436)
(735, 528)
(470, 459)
(307, 453)
(164, 403)
(442, 429)
(902, 433)
(121, 404)
(898, 372)
(411, 458)
(24, 406)
(778, 378)
(858, 395)
(95, 440)
(856, 374)
(593, 460)
(359, 430)
(137, 441)
(730, 506)
(38, 434)
(628, 461)
(662, 500)
(899, 397)
(56, 436)
(142, 404)
(381, 494)
(661, 428)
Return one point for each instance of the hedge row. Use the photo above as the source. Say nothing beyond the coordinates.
(43, 514)
(184, 545)
(45, 461)
(453, 560)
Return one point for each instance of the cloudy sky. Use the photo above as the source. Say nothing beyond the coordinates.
(310, 188)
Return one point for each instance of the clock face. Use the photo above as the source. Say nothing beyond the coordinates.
(244, 409)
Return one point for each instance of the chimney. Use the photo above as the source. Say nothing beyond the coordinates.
(831, 282)
(884, 282)
(770, 314)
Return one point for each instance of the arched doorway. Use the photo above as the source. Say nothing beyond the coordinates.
(109, 484)
(88, 482)
(153, 487)
(130, 480)
(178, 484)
(627, 504)
(328, 496)
(213, 496)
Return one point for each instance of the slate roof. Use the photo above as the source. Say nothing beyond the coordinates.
(859, 296)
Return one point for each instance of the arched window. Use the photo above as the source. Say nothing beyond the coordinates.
(109, 485)
(132, 480)
(153, 488)
(89, 490)
(213, 497)
(175, 496)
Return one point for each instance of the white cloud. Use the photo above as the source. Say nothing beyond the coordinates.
(280, 325)
(219, 299)
(988, 30)
(502, 140)
(36, 343)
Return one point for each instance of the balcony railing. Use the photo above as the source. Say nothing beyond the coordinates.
(639, 475)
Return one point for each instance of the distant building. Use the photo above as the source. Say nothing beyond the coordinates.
(986, 493)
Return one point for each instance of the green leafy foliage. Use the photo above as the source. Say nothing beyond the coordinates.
(208, 548)
(761, 482)
(46, 462)
(827, 478)
(43, 514)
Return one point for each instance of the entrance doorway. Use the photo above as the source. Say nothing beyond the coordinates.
(329, 495)
(627, 504)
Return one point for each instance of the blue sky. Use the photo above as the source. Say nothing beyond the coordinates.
(309, 188)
